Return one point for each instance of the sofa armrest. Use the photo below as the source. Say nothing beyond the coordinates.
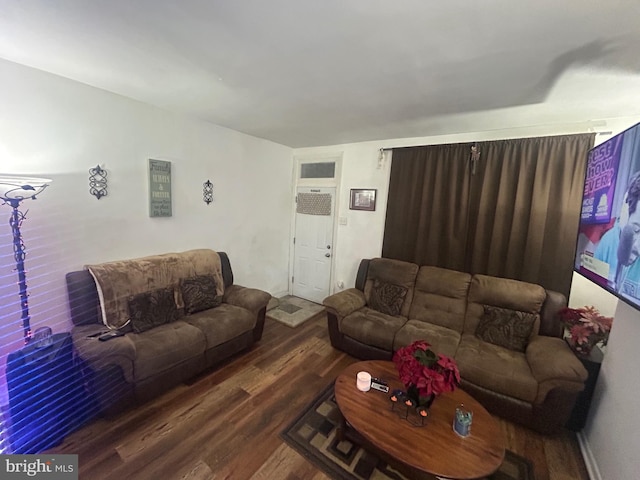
(345, 302)
(554, 365)
(250, 298)
(84, 303)
(98, 355)
(550, 323)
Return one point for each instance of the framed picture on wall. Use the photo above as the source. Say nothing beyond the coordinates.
(363, 199)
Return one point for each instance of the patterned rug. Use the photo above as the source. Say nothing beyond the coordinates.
(293, 311)
(313, 435)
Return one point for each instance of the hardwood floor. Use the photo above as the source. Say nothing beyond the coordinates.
(225, 423)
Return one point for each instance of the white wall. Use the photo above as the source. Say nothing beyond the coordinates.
(585, 292)
(611, 437)
(57, 128)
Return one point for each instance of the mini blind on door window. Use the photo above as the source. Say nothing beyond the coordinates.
(314, 203)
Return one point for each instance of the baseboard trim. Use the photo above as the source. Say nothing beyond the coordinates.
(589, 459)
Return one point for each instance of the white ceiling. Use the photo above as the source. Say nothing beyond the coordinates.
(321, 72)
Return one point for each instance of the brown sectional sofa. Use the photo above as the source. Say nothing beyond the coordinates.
(534, 382)
(138, 366)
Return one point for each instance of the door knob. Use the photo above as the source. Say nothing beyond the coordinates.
(327, 255)
(328, 247)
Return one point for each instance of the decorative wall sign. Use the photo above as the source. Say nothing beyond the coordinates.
(207, 192)
(159, 188)
(98, 182)
(363, 199)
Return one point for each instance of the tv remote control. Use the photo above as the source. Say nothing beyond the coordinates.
(380, 385)
(109, 335)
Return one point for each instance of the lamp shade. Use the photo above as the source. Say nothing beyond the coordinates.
(14, 189)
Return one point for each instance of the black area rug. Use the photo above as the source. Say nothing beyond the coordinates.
(313, 435)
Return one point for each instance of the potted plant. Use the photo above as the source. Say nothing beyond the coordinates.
(586, 326)
(424, 373)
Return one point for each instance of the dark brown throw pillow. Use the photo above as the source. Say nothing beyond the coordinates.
(507, 328)
(387, 298)
(152, 309)
(199, 293)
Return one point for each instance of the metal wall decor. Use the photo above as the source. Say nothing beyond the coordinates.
(207, 192)
(98, 182)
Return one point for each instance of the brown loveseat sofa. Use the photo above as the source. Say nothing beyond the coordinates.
(180, 314)
(528, 375)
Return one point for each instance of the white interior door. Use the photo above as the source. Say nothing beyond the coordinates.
(313, 247)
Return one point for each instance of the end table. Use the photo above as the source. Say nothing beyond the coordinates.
(47, 400)
(592, 363)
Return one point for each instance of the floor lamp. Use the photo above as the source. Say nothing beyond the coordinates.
(13, 191)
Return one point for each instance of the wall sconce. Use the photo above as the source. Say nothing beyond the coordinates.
(13, 191)
(98, 182)
(207, 192)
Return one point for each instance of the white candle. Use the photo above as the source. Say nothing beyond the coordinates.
(363, 381)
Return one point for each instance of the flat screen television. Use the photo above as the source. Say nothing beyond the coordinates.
(608, 247)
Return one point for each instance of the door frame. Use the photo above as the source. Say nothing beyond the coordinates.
(335, 157)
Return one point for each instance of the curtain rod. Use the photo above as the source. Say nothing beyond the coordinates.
(388, 149)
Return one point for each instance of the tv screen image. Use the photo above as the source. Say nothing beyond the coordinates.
(608, 247)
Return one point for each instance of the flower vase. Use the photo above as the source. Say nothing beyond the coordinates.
(583, 349)
(414, 394)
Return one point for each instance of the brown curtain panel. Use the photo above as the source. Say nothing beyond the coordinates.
(518, 217)
(427, 209)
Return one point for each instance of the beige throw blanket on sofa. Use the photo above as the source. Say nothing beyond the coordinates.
(116, 281)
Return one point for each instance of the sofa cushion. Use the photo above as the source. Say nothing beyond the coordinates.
(372, 327)
(505, 327)
(443, 340)
(162, 348)
(152, 309)
(440, 297)
(386, 297)
(199, 293)
(395, 272)
(496, 368)
(503, 293)
(115, 281)
(223, 323)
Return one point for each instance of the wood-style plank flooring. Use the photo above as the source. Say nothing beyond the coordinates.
(225, 423)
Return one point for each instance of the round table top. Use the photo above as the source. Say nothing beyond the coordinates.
(433, 448)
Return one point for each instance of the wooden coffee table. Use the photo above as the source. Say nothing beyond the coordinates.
(433, 448)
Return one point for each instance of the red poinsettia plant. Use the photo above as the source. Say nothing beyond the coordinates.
(422, 369)
(586, 326)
